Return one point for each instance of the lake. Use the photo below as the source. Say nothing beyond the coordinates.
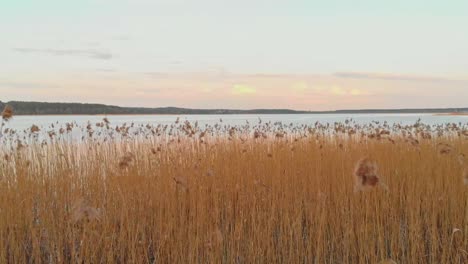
(24, 122)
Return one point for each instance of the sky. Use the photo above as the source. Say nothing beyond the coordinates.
(243, 54)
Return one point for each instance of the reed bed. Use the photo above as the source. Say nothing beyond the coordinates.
(258, 193)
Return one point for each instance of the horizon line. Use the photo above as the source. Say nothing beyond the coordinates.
(249, 109)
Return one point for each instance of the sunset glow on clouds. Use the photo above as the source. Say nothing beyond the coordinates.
(204, 90)
(307, 55)
(241, 89)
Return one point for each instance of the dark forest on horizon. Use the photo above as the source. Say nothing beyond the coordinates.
(46, 108)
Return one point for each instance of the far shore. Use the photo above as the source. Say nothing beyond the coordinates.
(453, 114)
(98, 114)
(435, 114)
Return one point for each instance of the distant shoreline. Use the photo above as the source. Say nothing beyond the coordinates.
(65, 109)
(229, 114)
(453, 114)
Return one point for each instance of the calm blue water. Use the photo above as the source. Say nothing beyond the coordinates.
(24, 122)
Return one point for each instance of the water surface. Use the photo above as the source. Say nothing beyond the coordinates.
(24, 122)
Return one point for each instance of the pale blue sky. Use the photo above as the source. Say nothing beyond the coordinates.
(66, 50)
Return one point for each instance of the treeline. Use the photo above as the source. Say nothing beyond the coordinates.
(42, 108)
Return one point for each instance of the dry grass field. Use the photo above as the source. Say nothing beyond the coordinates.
(259, 193)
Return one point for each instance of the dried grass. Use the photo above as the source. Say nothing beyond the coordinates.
(7, 113)
(240, 196)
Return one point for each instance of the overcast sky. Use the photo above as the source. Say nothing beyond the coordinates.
(311, 55)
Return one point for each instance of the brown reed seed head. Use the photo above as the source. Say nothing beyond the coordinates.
(126, 160)
(366, 173)
(7, 113)
(35, 129)
(461, 159)
(444, 148)
(180, 180)
(82, 212)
